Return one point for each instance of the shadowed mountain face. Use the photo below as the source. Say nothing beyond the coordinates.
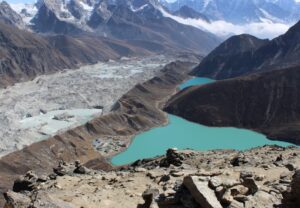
(25, 55)
(244, 54)
(266, 102)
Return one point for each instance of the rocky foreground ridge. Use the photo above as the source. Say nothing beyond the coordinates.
(262, 177)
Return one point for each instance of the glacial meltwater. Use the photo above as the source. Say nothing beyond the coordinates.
(183, 134)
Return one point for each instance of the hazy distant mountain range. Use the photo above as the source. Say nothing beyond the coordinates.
(243, 11)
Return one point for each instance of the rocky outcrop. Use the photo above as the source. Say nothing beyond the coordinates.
(266, 102)
(204, 179)
(244, 54)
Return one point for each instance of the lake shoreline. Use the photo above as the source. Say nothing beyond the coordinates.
(183, 134)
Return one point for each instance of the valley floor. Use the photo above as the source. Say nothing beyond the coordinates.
(37, 109)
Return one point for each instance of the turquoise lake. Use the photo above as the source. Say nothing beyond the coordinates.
(183, 134)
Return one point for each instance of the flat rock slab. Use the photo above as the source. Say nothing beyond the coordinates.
(201, 192)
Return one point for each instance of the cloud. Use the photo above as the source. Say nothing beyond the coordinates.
(263, 29)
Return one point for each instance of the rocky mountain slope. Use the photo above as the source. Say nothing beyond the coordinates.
(188, 12)
(137, 111)
(242, 11)
(141, 23)
(241, 55)
(265, 102)
(263, 177)
(25, 55)
(9, 16)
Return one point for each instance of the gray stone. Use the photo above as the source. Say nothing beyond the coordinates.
(215, 182)
(16, 200)
(236, 204)
(201, 192)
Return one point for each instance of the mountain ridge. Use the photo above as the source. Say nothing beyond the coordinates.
(132, 20)
(281, 52)
(25, 55)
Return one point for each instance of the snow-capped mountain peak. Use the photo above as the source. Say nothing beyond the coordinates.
(243, 11)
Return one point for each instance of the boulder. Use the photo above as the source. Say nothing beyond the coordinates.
(202, 194)
(149, 197)
(164, 178)
(80, 170)
(238, 160)
(60, 171)
(172, 158)
(16, 200)
(215, 182)
(251, 185)
(236, 204)
(25, 183)
(227, 198)
(262, 199)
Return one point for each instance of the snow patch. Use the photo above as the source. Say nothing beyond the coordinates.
(31, 11)
(138, 9)
(269, 16)
(86, 6)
